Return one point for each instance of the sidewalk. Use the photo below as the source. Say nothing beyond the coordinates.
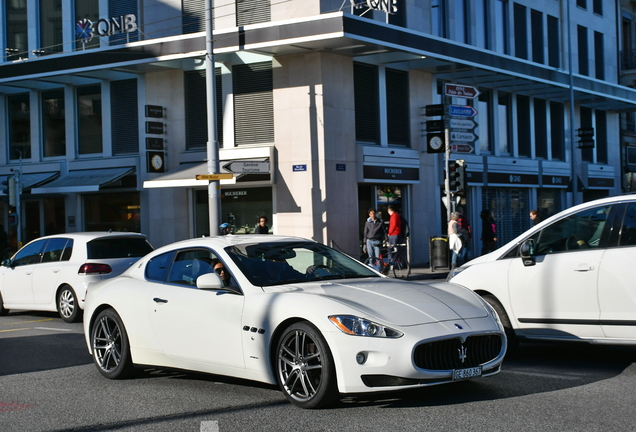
(424, 273)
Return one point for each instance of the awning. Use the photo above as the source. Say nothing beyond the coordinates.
(184, 176)
(84, 180)
(32, 180)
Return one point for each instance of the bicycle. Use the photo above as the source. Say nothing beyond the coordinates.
(399, 265)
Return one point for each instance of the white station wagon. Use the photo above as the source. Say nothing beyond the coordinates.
(51, 273)
(568, 278)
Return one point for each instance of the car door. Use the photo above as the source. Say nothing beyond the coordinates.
(192, 324)
(17, 279)
(46, 274)
(558, 295)
(617, 290)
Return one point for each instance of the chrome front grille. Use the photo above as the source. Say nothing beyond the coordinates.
(453, 354)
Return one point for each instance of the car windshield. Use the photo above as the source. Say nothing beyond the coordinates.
(277, 263)
(118, 247)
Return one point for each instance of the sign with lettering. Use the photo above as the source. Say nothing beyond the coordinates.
(390, 173)
(154, 127)
(85, 29)
(388, 6)
(513, 178)
(154, 111)
(555, 180)
(299, 168)
(459, 90)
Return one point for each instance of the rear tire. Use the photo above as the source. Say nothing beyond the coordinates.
(513, 340)
(67, 304)
(110, 347)
(401, 266)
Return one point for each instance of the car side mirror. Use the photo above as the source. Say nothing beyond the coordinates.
(212, 281)
(526, 251)
(6, 263)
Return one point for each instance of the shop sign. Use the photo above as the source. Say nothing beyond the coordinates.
(85, 29)
(341, 167)
(391, 173)
(388, 6)
(235, 193)
(600, 182)
(513, 178)
(555, 180)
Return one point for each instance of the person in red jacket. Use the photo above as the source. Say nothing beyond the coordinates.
(395, 228)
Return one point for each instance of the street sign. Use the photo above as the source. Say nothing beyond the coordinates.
(462, 148)
(224, 176)
(463, 136)
(253, 167)
(462, 123)
(434, 110)
(459, 90)
(434, 125)
(462, 111)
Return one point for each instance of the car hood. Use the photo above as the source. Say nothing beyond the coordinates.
(397, 302)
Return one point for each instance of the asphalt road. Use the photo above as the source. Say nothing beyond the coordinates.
(48, 383)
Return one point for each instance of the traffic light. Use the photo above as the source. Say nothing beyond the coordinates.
(9, 190)
(13, 218)
(457, 176)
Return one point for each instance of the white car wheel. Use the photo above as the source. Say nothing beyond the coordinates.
(109, 342)
(67, 305)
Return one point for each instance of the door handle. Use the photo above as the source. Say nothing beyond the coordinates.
(158, 300)
(56, 270)
(584, 268)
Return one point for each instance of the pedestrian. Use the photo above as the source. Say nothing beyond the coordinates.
(488, 232)
(373, 236)
(395, 229)
(262, 227)
(534, 217)
(454, 241)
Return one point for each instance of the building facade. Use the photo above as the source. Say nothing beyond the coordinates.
(320, 113)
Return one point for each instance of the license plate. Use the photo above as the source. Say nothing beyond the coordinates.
(459, 374)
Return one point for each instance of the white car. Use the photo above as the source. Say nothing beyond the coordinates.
(568, 278)
(51, 273)
(292, 312)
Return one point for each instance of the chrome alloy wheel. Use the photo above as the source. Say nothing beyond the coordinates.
(107, 344)
(66, 303)
(300, 365)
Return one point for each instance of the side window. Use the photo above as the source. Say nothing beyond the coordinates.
(54, 249)
(189, 264)
(157, 268)
(628, 229)
(30, 254)
(582, 230)
(68, 250)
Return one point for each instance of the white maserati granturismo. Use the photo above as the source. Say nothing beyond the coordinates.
(292, 312)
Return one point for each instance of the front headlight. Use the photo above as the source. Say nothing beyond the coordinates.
(356, 326)
(454, 272)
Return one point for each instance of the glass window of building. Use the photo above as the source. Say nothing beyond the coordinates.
(482, 18)
(600, 135)
(462, 20)
(439, 18)
(86, 10)
(504, 119)
(557, 130)
(502, 29)
(89, 119)
(253, 103)
(536, 23)
(366, 98)
(597, 7)
(53, 123)
(252, 12)
(584, 67)
(483, 119)
(124, 116)
(554, 46)
(540, 128)
(19, 126)
(117, 8)
(16, 28)
(397, 107)
(599, 56)
(51, 27)
(524, 130)
(581, 3)
(196, 109)
(112, 211)
(521, 32)
(193, 18)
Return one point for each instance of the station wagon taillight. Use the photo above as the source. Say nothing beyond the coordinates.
(94, 268)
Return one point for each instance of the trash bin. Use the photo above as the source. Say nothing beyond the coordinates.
(439, 253)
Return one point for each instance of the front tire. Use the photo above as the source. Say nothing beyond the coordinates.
(305, 368)
(67, 304)
(109, 343)
(513, 340)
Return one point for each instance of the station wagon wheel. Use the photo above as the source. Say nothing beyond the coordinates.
(513, 340)
(67, 305)
(3, 311)
(109, 343)
(304, 367)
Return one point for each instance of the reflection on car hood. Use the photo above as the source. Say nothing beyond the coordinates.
(397, 302)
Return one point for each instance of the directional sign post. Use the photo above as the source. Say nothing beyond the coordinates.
(462, 148)
(214, 177)
(458, 90)
(463, 136)
(462, 124)
(252, 167)
(462, 111)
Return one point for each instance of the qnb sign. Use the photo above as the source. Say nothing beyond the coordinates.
(388, 6)
(86, 29)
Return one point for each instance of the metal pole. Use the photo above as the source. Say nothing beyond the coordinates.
(214, 201)
(574, 181)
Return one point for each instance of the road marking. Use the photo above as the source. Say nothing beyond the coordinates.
(210, 426)
(26, 322)
(50, 328)
(13, 406)
(572, 377)
(10, 330)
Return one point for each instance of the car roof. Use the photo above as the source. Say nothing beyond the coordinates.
(231, 240)
(91, 235)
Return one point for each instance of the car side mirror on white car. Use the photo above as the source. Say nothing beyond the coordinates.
(6, 263)
(212, 281)
(526, 250)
